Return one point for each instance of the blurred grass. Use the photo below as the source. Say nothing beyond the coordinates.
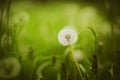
(46, 20)
(41, 23)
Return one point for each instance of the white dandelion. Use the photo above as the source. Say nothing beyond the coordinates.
(78, 55)
(9, 68)
(67, 36)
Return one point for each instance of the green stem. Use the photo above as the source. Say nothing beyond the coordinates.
(8, 11)
(77, 66)
(93, 32)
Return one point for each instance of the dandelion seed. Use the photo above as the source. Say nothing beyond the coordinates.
(67, 36)
(9, 67)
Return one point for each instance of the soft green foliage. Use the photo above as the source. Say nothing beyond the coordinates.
(33, 29)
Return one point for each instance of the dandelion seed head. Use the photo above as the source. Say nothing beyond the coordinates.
(9, 67)
(78, 55)
(67, 36)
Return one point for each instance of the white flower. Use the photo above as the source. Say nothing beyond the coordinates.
(9, 68)
(67, 36)
(100, 43)
(78, 55)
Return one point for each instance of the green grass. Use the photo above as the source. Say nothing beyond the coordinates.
(35, 28)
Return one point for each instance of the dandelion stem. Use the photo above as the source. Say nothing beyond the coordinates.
(77, 66)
